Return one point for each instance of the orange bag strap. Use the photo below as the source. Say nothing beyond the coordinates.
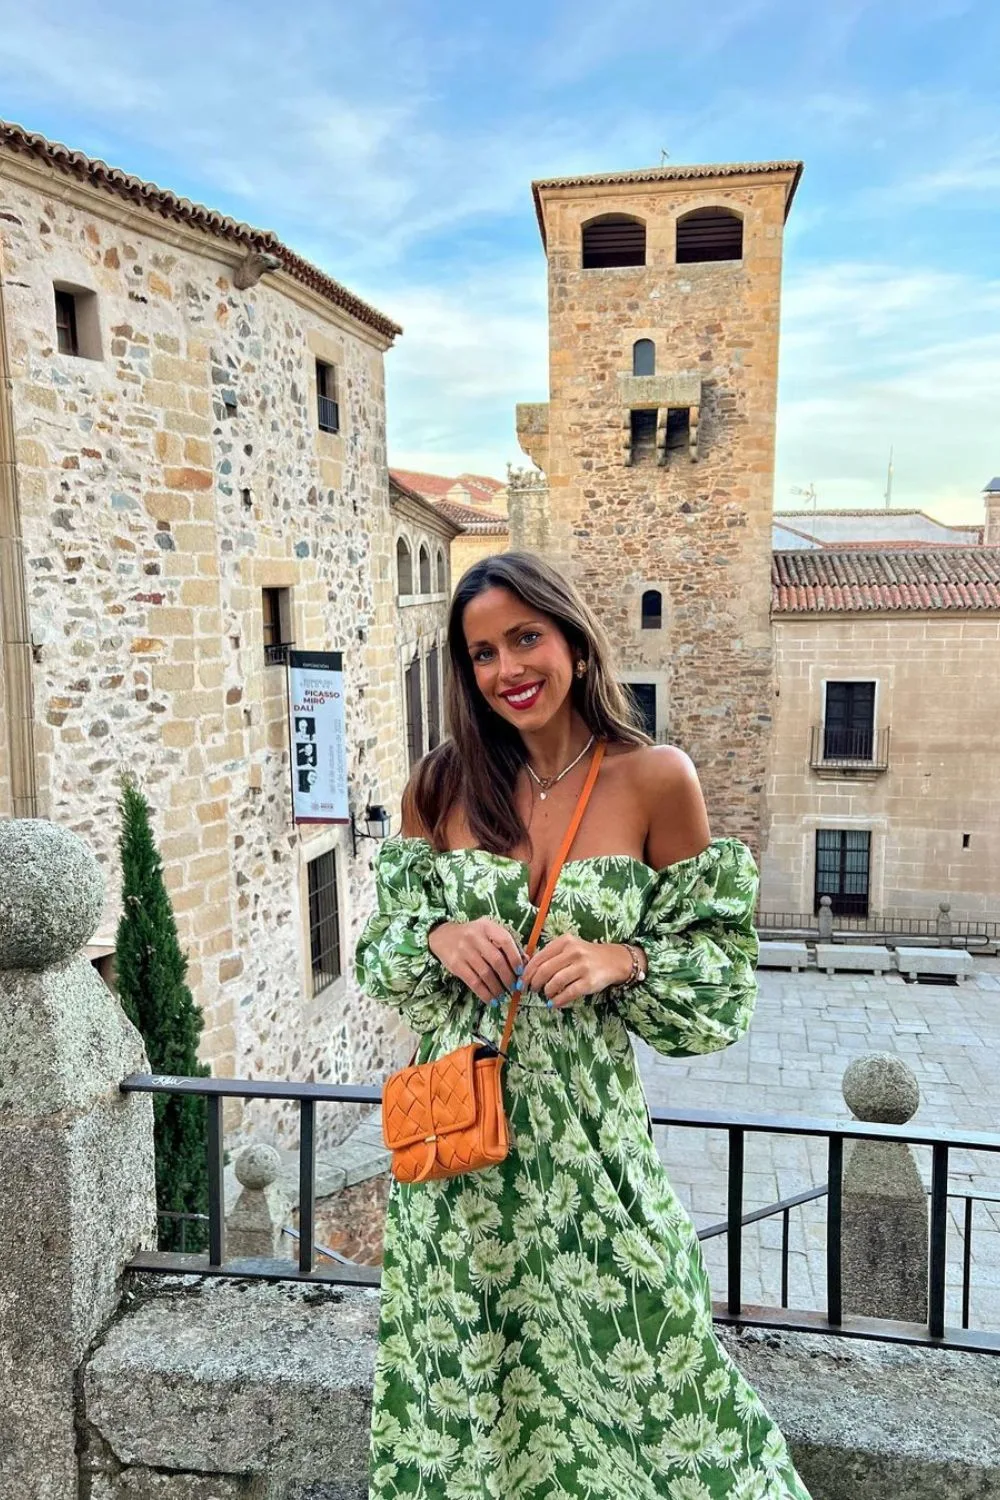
(550, 884)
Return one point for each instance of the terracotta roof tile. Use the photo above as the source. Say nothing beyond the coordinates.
(431, 486)
(472, 520)
(917, 578)
(157, 200)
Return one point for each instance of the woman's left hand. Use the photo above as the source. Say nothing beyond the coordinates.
(569, 968)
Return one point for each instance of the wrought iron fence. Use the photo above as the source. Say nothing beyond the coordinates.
(833, 748)
(737, 1128)
(964, 934)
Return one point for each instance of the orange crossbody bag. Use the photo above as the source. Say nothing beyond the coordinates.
(446, 1117)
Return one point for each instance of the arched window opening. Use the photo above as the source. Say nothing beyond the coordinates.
(613, 240)
(652, 610)
(404, 568)
(644, 357)
(442, 572)
(709, 234)
(425, 570)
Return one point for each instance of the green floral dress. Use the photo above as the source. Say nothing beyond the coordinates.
(546, 1327)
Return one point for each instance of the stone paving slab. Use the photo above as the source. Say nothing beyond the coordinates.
(807, 1028)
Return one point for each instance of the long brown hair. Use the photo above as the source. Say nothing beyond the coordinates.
(477, 768)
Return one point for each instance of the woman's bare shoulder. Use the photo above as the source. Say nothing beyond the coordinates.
(667, 786)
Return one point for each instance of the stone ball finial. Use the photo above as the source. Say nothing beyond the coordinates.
(881, 1089)
(51, 893)
(257, 1166)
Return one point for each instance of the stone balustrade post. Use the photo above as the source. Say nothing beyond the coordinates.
(255, 1223)
(77, 1185)
(825, 919)
(944, 924)
(885, 1211)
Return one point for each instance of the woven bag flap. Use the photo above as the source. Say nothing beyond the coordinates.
(429, 1099)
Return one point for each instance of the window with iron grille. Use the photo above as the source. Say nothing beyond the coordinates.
(276, 616)
(652, 610)
(843, 858)
(643, 436)
(644, 357)
(433, 698)
(414, 712)
(326, 397)
(613, 240)
(709, 234)
(849, 721)
(67, 338)
(324, 921)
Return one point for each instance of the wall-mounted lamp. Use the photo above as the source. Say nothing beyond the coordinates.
(376, 821)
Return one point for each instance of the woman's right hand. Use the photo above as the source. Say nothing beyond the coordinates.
(482, 954)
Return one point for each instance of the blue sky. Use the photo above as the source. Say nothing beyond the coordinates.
(394, 143)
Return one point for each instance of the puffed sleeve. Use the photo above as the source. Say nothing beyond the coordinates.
(392, 960)
(698, 935)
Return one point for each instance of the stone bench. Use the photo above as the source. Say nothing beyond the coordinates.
(942, 962)
(794, 956)
(857, 957)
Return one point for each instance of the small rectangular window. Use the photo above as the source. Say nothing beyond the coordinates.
(643, 435)
(678, 429)
(78, 327)
(276, 617)
(326, 397)
(643, 695)
(67, 337)
(842, 864)
(324, 921)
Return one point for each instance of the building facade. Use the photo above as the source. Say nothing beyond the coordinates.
(657, 446)
(884, 779)
(424, 536)
(192, 479)
(476, 504)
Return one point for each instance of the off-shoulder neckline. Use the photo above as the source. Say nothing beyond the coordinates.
(717, 843)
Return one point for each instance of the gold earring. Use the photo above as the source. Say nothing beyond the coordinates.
(581, 668)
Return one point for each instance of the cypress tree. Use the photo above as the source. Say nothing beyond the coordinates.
(151, 971)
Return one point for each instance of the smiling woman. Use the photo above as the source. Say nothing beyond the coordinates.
(546, 1326)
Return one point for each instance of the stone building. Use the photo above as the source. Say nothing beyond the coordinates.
(657, 445)
(884, 778)
(474, 502)
(424, 535)
(192, 478)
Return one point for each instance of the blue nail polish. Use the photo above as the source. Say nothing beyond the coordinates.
(519, 969)
(549, 1003)
(519, 984)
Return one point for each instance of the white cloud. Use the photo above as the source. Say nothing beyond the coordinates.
(873, 359)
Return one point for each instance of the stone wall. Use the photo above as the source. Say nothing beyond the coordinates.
(421, 617)
(936, 693)
(163, 485)
(699, 532)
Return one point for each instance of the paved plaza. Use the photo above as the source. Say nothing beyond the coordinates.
(807, 1028)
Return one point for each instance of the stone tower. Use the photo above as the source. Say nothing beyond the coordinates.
(657, 445)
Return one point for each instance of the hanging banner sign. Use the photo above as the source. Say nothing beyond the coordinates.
(316, 736)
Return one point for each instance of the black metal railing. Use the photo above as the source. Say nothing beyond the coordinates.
(957, 934)
(277, 655)
(736, 1126)
(859, 749)
(328, 414)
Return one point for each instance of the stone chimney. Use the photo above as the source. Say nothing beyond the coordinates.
(991, 535)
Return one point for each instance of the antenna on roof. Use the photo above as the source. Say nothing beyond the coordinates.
(888, 484)
(810, 494)
(664, 156)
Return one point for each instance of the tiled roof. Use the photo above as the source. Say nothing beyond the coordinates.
(431, 486)
(435, 514)
(918, 579)
(472, 520)
(167, 205)
(706, 170)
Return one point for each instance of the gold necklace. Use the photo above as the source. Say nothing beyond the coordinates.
(546, 783)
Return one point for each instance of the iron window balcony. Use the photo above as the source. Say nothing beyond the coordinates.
(329, 414)
(848, 750)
